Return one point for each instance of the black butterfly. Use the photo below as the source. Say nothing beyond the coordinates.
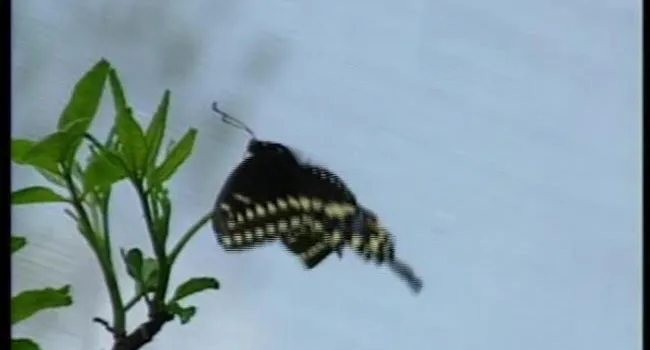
(273, 195)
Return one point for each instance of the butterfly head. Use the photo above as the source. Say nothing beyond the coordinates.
(272, 152)
(256, 147)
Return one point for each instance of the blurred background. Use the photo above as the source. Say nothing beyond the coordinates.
(499, 140)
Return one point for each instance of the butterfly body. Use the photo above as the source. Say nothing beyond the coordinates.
(273, 196)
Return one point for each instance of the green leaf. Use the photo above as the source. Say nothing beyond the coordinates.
(156, 130)
(193, 286)
(119, 98)
(176, 157)
(132, 139)
(86, 95)
(82, 107)
(150, 272)
(35, 194)
(103, 170)
(24, 344)
(129, 132)
(27, 303)
(17, 243)
(184, 314)
(20, 149)
(51, 150)
(133, 261)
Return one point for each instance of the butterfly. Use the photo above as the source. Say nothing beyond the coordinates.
(273, 195)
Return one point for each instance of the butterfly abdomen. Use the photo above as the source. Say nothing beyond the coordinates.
(369, 239)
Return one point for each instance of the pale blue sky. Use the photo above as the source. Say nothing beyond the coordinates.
(499, 140)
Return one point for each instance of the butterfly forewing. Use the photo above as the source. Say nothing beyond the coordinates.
(256, 204)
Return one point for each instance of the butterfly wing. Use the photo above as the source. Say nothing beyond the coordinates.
(359, 228)
(249, 207)
(330, 209)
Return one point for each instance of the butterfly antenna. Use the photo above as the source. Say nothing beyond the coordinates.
(232, 121)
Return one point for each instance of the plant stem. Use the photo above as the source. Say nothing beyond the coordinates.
(104, 203)
(188, 236)
(164, 267)
(108, 253)
(158, 244)
(134, 300)
(105, 262)
(144, 333)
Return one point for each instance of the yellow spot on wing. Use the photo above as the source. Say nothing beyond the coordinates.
(295, 222)
(270, 230)
(242, 198)
(356, 241)
(259, 232)
(293, 203)
(374, 245)
(259, 210)
(271, 208)
(336, 237)
(338, 210)
(317, 204)
(307, 220)
(317, 248)
(305, 203)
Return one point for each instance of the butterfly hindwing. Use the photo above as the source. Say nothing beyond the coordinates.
(359, 228)
(362, 229)
(331, 207)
